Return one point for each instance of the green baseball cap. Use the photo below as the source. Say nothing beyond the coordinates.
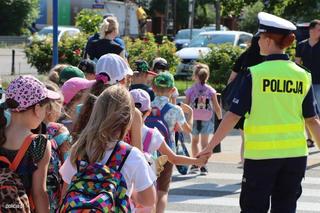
(164, 80)
(70, 72)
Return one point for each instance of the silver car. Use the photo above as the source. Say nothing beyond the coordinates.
(198, 48)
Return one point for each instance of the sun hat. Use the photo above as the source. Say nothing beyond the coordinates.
(164, 80)
(114, 66)
(141, 99)
(74, 85)
(70, 72)
(87, 66)
(27, 91)
(143, 67)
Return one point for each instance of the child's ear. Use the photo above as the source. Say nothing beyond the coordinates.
(172, 90)
(146, 114)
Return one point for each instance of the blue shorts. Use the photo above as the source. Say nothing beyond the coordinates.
(203, 127)
(316, 92)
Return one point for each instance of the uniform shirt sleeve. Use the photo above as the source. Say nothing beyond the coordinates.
(241, 103)
(309, 105)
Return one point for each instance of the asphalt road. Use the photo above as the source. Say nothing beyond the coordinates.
(219, 191)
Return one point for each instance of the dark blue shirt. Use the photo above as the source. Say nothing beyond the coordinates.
(242, 101)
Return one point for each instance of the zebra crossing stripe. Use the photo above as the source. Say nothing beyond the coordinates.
(234, 202)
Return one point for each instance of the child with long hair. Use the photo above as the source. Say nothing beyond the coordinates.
(203, 100)
(60, 139)
(111, 69)
(109, 122)
(27, 99)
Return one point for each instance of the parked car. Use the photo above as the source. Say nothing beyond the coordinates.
(62, 31)
(212, 27)
(182, 38)
(198, 48)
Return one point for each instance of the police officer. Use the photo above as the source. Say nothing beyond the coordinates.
(277, 100)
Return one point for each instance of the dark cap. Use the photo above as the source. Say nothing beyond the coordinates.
(87, 66)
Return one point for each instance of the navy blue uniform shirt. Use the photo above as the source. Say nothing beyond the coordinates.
(242, 101)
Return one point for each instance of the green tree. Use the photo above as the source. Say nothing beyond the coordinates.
(302, 10)
(17, 15)
(88, 21)
(249, 20)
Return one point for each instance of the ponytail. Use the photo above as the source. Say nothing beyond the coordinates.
(8, 104)
(87, 107)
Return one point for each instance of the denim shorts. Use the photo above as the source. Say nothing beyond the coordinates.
(316, 91)
(203, 127)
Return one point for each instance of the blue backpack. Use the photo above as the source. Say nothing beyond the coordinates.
(156, 119)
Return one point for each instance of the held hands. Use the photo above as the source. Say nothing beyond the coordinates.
(207, 152)
(202, 158)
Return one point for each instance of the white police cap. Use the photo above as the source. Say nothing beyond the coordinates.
(274, 24)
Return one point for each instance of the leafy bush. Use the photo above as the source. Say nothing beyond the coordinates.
(88, 21)
(39, 53)
(147, 49)
(220, 61)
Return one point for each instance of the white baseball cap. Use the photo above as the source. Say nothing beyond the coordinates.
(114, 66)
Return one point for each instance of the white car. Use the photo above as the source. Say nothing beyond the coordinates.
(198, 48)
(62, 31)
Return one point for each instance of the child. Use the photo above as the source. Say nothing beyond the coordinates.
(163, 86)
(60, 139)
(70, 72)
(140, 77)
(88, 67)
(74, 92)
(161, 65)
(201, 97)
(54, 73)
(108, 123)
(27, 99)
(111, 69)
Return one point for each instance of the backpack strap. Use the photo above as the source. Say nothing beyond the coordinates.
(147, 140)
(119, 155)
(165, 109)
(22, 151)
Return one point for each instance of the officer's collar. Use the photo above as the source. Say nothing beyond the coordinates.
(277, 57)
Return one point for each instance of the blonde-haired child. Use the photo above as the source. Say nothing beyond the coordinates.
(108, 124)
(203, 100)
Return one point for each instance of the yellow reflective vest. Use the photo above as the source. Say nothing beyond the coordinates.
(275, 127)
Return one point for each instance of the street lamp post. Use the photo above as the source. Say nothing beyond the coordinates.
(55, 3)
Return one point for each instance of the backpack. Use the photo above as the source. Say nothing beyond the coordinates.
(181, 149)
(97, 187)
(156, 119)
(12, 192)
(200, 103)
(54, 180)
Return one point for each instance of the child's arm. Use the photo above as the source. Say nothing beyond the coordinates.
(216, 106)
(179, 159)
(136, 127)
(146, 198)
(39, 185)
